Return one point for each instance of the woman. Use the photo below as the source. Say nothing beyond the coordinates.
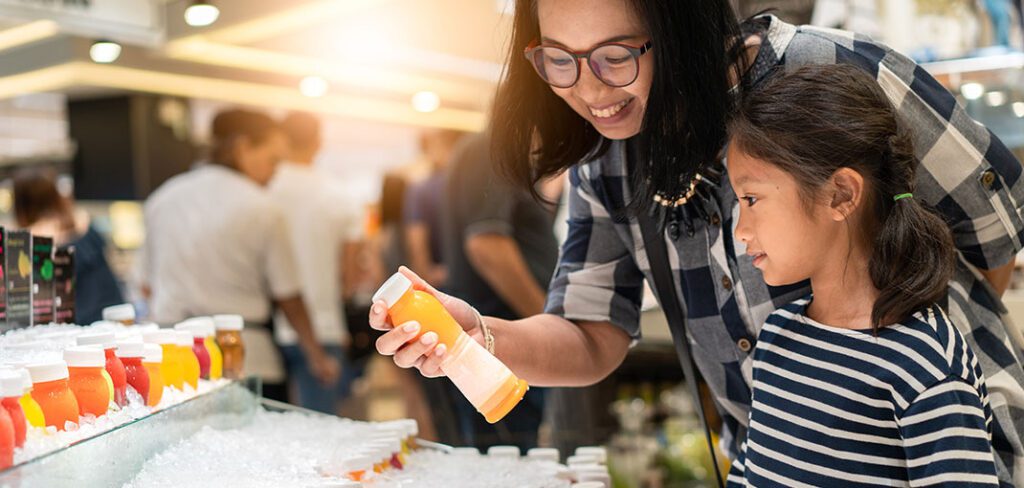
(42, 209)
(662, 76)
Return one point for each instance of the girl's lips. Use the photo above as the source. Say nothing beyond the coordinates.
(758, 258)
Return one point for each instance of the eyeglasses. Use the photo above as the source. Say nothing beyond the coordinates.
(615, 64)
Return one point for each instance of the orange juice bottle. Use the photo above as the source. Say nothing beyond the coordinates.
(85, 370)
(50, 390)
(152, 360)
(482, 378)
(229, 339)
(191, 369)
(171, 367)
(10, 391)
(113, 366)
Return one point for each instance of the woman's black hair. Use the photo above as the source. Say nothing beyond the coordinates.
(817, 119)
(696, 44)
(233, 124)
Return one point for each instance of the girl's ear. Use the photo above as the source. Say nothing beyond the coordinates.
(848, 193)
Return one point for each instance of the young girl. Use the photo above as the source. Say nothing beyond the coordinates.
(865, 382)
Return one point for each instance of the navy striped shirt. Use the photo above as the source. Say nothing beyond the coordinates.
(840, 407)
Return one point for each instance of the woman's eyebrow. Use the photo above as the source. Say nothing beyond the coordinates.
(548, 40)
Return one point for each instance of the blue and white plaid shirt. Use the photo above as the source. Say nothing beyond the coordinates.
(966, 173)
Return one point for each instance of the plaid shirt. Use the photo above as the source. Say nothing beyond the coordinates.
(966, 173)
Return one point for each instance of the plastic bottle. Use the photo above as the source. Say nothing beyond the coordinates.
(170, 365)
(229, 339)
(50, 390)
(29, 405)
(152, 360)
(198, 331)
(190, 362)
(482, 378)
(131, 353)
(123, 314)
(85, 378)
(114, 366)
(10, 391)
(6, 440)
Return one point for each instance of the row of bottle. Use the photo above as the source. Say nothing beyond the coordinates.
(95, 374)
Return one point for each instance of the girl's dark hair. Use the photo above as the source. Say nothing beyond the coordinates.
(231, 125)
(36, 196)
(817, 119)
(695, 43)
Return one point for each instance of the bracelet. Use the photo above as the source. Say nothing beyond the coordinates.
(488, 336)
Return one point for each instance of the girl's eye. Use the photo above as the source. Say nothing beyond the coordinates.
(750, 200)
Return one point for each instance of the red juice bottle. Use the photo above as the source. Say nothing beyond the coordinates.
(131, 354)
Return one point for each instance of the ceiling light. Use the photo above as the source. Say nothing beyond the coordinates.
(201, 14)
(313, 86)
(995, 98)
(426, 101)
(105, 51)
(1018, 109)
(972, 91)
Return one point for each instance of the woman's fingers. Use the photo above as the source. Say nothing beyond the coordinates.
(379, 316)
(389, 343)
(407, 356)
(430, 365)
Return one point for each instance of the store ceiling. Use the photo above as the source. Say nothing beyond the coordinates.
(374, 54)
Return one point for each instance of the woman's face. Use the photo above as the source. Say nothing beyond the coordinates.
(579, 25)
(259, 160)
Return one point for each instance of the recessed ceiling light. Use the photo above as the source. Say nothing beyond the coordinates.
(313, 86)
(201, 14)
(105, 51)
(426, 101)
(972, 91)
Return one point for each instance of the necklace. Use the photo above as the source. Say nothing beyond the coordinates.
(681, 211)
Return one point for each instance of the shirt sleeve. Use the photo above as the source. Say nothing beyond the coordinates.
(965, 171)
(487, 203)
(411, 207)
(597, 279)
(282, 272)
(737, 477)
(946, 438)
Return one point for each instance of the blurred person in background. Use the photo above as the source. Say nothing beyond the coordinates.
(500, 248)
(422, 208)
(324, 226)
(390, 234)
(217, 243)
(40, 208)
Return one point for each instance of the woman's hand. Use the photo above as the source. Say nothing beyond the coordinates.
(425, 354)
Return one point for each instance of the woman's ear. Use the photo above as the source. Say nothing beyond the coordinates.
(848, 193)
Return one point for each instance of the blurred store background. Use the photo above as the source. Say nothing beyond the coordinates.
(117, 96)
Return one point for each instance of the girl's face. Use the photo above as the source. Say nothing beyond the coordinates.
(788, 242)
(580, 25)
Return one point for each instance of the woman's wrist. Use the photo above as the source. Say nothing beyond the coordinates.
(485, 331)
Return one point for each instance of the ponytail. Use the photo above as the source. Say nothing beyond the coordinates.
(913, 254)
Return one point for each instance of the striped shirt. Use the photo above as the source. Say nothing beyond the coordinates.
(966, 173)
(840, 407)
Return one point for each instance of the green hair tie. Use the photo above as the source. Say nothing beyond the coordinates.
(901, 196)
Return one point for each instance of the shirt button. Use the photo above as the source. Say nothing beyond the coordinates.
(715, 219)
(744, 344)
(988, 178)
(726, 283)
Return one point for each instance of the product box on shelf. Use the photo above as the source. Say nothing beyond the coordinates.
(18, 259)
(42, 280)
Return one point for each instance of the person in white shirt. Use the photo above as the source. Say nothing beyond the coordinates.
(324, 225)
(217, 243)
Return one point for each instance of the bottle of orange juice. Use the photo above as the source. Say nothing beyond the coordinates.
(50, 390)
(85, 368)
(190, 363)
(482, 378)
(152, 360)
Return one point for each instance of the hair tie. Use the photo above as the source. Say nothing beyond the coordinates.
(901, 196)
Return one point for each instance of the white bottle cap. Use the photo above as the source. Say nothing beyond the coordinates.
(229, 322)
(582, 460)
(199, 327)
(466, 451)
(131, 349)
(392, 289)
(10, 384)
(104, 339)
(146, 327)
(85, 357)
(162, 336)
(598, 452)
(26, 379)
(48, 371)
(504, 452)
(184, 338)
(544, 454)
(152, 353)
(119, 313)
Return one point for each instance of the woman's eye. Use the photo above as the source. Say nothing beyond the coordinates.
(750, 200)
